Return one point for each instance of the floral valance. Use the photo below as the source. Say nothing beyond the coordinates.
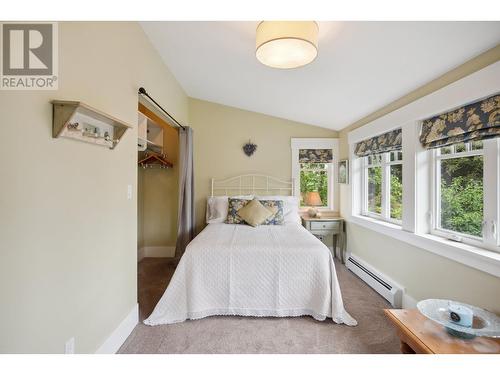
(315, 155)
(476, 121)
(390, 141)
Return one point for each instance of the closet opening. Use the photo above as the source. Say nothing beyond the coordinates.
(157, 200)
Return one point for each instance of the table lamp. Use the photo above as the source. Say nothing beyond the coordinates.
(313, 199)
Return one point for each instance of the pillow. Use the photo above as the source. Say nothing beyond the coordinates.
(290, 207)
(254, 213)
(277, 207)
(234, 205)
(217, 208)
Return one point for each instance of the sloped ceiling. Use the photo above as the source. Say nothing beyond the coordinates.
(361, 66)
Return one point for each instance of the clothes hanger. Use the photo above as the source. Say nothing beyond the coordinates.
(153, 159)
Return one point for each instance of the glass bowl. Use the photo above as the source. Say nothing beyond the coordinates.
(484, 323)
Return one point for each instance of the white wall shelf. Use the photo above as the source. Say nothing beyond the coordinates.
(150, 134)
(79, 121)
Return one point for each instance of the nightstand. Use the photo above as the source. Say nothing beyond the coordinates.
(325, 226)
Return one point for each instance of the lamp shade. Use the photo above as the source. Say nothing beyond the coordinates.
(313, 199)
(286, 44)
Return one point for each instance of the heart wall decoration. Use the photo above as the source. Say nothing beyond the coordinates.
(249, 148)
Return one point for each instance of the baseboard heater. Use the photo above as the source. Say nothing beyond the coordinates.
(379, 282)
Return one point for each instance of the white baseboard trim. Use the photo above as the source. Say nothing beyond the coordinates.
(156, 252)
(140, 254)
(120, 334)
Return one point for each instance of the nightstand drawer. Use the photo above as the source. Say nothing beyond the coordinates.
(325, 225)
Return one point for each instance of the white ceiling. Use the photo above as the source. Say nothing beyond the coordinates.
(361, 66)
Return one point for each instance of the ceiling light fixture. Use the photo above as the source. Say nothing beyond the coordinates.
(286, 44)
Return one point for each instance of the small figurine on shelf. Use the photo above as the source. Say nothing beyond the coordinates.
(73, 126)
(91, 131)
(106, 136)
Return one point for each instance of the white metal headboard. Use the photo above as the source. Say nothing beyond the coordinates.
(252, 184)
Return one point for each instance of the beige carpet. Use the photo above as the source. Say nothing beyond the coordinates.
(374, 334)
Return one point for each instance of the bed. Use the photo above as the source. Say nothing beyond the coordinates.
(269, 270)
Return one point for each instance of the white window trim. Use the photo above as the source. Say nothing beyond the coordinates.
(417, 194)
(317, 143)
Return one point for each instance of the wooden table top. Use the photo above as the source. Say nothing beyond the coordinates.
(431, 337)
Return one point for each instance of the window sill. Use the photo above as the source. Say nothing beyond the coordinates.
(471, 256)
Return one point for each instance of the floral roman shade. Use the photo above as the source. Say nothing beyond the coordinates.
(390, 141)
(315, 155)
(476, 121)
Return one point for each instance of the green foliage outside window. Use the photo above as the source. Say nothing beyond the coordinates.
(397, 192)
(314, 177)
(375, 191)
(462, 194)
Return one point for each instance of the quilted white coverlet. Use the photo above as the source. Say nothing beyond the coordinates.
(271, 270)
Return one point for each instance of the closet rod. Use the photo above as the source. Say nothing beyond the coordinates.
(143, 91)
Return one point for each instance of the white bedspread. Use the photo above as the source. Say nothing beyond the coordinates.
(271, 270)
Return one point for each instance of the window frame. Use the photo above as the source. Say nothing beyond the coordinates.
(333, 186)
(385, 164)
(490, 239)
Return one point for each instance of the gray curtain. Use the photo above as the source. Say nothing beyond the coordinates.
(186, 218)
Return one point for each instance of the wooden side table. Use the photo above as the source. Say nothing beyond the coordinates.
(423, 336)
(328, 225)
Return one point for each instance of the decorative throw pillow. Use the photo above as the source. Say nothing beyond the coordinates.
(277, 218)
(235, 204)
(217, 208)
(254, 213)
(290, 206)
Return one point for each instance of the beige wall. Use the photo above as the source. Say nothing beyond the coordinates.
(424, 274)
(219, 135)
(68, 233)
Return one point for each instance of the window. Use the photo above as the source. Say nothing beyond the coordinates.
(383, 186)
(314, 184)
(465, 192)
(458, 209)
(314, 172)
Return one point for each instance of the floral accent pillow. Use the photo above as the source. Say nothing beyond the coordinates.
(254, 213)
(235, 204)
(278, 218)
